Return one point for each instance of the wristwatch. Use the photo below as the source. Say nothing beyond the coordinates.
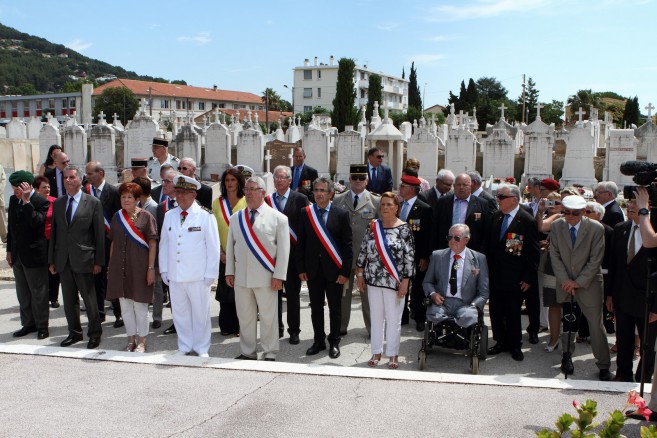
(644, 212)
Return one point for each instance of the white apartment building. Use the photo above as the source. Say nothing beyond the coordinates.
(315, 85)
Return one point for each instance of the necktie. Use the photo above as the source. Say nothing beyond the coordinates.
(631, 250)
(295, 180)
(456, 215)
(505, 225)
(355, 201)
(183, 216)
(252, 213)
(69, 210)
(97, 193)
(404, 213)
(573, 235)
(374, 181)
(280, 200)
(322, 212)
(452, 275)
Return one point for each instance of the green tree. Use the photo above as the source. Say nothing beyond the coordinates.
(274, 99)
(471, 95)
(119, 100)
(585, 99)
(285, 105)
(631, 113)
(414, 96)
(531, 99)
(179, 82)
(344, 112)
(491, 95)
(552, 113)
(374, 94)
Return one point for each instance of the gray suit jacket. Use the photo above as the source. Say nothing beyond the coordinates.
(581, 263)
(474, 284)
(361, 216)
(80, 243)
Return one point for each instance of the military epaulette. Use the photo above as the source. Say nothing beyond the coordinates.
(175, 159)
(206, 209)
(375, 194)
(151, 158)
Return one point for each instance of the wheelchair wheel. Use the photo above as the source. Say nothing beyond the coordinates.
(474, 363)
(483, 342)
(422, 360)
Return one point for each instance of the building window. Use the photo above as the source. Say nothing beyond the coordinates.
(222, 105)
(307, 109)
(261, 108)
(178, 104)
(307, 92)
(362, 75)
(71, 103)
(39, 104)
(307, 75)
(319, 92)
(319, 74)
(201, 106)
(164, 104)
(64, 103)
(362, 93)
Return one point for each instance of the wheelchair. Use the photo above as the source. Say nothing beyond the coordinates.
(447, 334)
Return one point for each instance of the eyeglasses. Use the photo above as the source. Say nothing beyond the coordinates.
(572, 212)
(457, 239)
(166, 181)
(65, 161)
(252, 189)
(380, 157)
(280, 178)
(358, 178)
(502, 197)
(320, 191)
(185, 168)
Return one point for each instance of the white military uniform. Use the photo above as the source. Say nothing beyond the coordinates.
(154, 166)
(189, 258)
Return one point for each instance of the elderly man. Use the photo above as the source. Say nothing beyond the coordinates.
(160, 157)
(189, 264)
(444, 183)
(157, 193)
(478, 190)
(56, 175)
(77, 252)
(257, 253)
(324, 260)
(27, 253)
(456, 280)
(302, 174)
(513, 254)
(380, 175)
(577, 246)
(606, 193)
(204, 196)
(362, 206)
(290, 204)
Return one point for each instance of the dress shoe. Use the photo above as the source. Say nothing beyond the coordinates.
(42, 333)
(171, 330)
(315, 348)
(93, 343)
(54, 304)
(70, 340)
(567, 366)
(620, 378)
(294, 338)
(636, 416)
(270, 359)
(101, 316)
(420, 326)
(606, 375)
(516, 354)
(243, 357)
(157, 324)
(533, 338)
(334, 351)
(281, 332)
(343, 333)
(496, 349)
(24, 331)
(119, 322)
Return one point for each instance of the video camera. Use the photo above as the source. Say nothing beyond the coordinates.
(645, 175)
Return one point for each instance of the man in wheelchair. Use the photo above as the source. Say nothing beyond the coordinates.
(456, 281)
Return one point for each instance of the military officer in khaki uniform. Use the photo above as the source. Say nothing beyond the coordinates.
(363, 206)
(160, 156)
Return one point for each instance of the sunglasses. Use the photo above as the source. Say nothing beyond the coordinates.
(571, 212)
(185, 168)
(358, 178)
(498, 196)
(588, 211)
(65, 161)
(457, 239)
(380, 156)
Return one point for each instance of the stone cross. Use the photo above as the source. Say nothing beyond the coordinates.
(291, 157)
(460, 116)
(650, 108)
(48, 117)
(142, 107)
(502, 108)
(237, 116)
(115, 117)
(538, 110)
(101, 117)
(216, 114)
(580, 113)
(268, 160)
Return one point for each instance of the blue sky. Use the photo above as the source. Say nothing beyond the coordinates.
(606, 45)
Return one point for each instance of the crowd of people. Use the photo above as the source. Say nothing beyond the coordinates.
(425, 253)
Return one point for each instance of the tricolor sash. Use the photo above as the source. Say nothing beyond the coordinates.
(322, 233)
(269, 199)
(383, 249)
(130, 230)
(253, 242)
(226, 209)
(92, 191)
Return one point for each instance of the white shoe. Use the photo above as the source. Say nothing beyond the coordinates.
(204, 355)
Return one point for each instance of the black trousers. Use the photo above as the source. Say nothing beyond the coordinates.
(229, 323)
(292, 287)
(625, 325)
(533, 306)
(505, 321)
(320, 288)
(53, 287)
(32, 293)
(418, 308)
(82, 283)
(100, 284)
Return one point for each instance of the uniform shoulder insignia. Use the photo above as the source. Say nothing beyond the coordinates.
(151, 158)
(206, 209)
(375, 194)
(175, 159)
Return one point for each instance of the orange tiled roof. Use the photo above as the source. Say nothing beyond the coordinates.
(159, 90)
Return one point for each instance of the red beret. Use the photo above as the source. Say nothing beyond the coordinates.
(550, 184)
(411, 180)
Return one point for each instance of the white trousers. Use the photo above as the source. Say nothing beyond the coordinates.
(190, 307)
(385, 313)
(135, 317)
(249, 303)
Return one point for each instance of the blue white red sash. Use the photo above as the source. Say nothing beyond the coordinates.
(226, 209)
(269, 199)
(163, 197)
(92, 191)
(130, 230)
(253, 242)
(383, 249)
(322, 233)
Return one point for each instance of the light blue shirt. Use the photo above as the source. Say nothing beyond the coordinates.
(76, 202)
(282, 200)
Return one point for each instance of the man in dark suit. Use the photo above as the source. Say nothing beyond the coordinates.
(111, 203)
(418, 215)
(302, 174)
(56, 176)
(444, 183)
(324, 261)
(627, 299)
(512, 252)
(605, 193)
(204, 194)
(77, 252)
(27, 253)
(380, 175)
(157, 192)
(460, 207)
(478, 190)
(290, 204)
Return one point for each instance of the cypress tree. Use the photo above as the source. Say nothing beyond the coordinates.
(374, 94)
(414, 96)
(631, 112)
(344, 111)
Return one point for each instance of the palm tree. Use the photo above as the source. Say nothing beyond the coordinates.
(585, 99)
(274, 99)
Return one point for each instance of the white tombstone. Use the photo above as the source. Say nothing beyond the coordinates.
(139, 136)
(646, 136)
(349, 150)
(75, 141)
(390, 140)
(499, 152)
(621, 147)
(250, 149)
(16, 129)
(539, 139)
(460, 150)
(116, 123)
(280, 135)
(316, 146)
(188, 144)
(102, 141)
(217, 150)
(235, 129)
(423, 146)
(48, 136)
(293, 133)
(34, 127)
(406, 129)
(3, 134)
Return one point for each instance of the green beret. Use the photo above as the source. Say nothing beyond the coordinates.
(21, 176)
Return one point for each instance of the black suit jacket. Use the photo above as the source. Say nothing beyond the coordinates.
(156, 192)
(26, 239)
(628, 281)
(613, 214)
(295, 202)
(51, 174)
(492, 202)
(477, 218)
(203, 196)
(384, 180)
(420, 220)
(506, 270)
(313, 258)
(307, 174)
(111, 203)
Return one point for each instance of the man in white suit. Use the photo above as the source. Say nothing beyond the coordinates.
(189, 264)
(257, 253)
(456, 280)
